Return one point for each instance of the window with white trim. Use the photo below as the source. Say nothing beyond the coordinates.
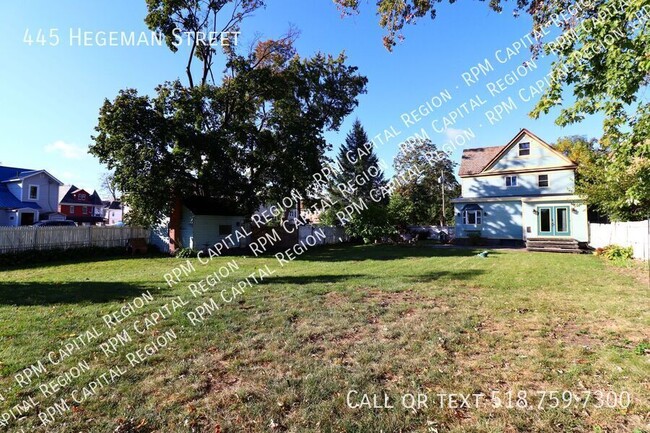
(472, 216)
(71, 210)
(511, 180)
(542, 181)
(524, 149)
(33, 192)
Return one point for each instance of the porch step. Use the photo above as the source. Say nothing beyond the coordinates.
(555, 245)
(556, 250)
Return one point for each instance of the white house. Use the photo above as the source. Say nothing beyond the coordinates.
(27, 196)
(522, 191)
(114, 212)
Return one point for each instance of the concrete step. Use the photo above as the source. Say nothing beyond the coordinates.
(556, 250)
(553, 240)
(552, 245)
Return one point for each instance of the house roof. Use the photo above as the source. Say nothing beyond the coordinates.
(69, 197)
(474, 161)
(14, 174)
(210, 206)
(7, 173)
(518, 137)
(9, 201)
(115, 204)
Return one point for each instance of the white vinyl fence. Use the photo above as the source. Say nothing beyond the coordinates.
(633, 234)
(14, 239)
(332, 235)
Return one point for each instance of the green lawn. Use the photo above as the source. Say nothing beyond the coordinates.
(379, 320)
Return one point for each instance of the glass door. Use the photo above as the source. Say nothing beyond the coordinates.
(553, 221)
(562, 221)
(544, 221)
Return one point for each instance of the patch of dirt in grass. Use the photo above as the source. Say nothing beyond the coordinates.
(572, 334)
(636, 269)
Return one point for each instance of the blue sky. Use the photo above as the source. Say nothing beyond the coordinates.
(50, 95)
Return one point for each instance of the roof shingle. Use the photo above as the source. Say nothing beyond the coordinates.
(474, 161)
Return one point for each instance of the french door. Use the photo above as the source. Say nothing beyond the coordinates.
(553, 221)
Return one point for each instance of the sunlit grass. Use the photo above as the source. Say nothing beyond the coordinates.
(376, 319)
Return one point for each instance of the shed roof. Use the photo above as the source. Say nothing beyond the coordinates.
(211, 206)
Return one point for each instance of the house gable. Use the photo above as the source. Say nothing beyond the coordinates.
(35, 189)
(501, 171)
(539, 156)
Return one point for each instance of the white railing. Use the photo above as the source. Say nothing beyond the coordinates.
(633, 234)
(14, 239)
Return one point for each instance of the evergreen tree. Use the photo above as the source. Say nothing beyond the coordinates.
(360, 171)
(359, 174)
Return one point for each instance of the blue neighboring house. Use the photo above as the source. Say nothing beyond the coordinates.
(27, 196)
(522, 191)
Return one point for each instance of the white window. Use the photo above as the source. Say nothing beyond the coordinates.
(472, 217)
(524, 149)
(33, 192)
(542, 181)
(82, 196)
(71, 210)
(511, 180)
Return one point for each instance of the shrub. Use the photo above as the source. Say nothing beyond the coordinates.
(642, 348)
(617, 252)
(371, 224)
(475, 238)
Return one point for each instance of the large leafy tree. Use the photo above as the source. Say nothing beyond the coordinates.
(605, 191)
(426, 174)
(253, 137)
(201, 24)
(601, 55)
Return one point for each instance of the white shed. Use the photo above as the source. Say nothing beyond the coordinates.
(206, 221)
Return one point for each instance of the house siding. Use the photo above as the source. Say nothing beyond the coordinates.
(502, 220)
(4, 218)
(48, 192)
(204, 231)
(577, 218)
(560, 182)
(539, 157)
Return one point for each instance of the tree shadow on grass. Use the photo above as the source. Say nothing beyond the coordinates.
(57, 257)
(447, 275)
(94, 292)
(312, 279)
(344, 253)
(466, 274)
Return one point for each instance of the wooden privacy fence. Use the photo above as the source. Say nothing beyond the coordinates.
(635, 234)
(14, 239)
